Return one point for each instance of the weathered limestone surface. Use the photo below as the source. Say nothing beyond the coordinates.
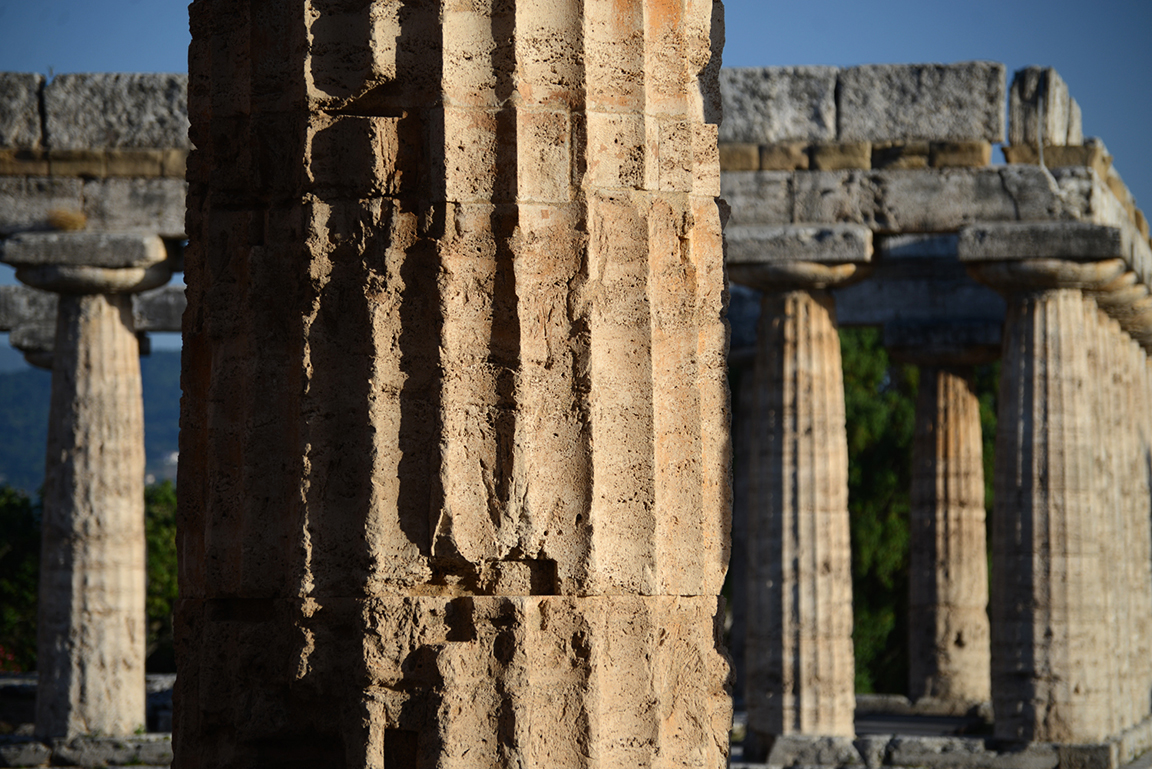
(948, 569)
(91, 619)
(768, 105)
(124, 110)
(1039, 106)
(1050, 614)
(926, 102)
(153, 206)
(20, 109)
(798, 652)
(453, 482)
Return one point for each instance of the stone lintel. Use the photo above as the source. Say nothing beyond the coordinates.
(834, 243)
(953, 343)
(927, 200)
(87, 249)
(20, 305)
(1079, 241)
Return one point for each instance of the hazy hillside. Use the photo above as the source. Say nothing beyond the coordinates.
(24, 420)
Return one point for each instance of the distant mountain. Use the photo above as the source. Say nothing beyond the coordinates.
(24, 398)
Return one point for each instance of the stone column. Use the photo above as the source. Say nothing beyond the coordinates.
(91, 627)
(1051, 643)
(798, 652)
(453, 467)
(948, 643)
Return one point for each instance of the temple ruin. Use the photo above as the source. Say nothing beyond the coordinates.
(454, 461)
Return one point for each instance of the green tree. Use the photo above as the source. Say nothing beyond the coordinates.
(19, 577)
(880, 408)
(160, 531)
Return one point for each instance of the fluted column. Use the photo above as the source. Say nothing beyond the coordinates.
(798, 652)
(91, 624)
(454, 450)
(1050, 636)
(948, 582)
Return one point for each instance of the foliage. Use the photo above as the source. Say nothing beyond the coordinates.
(160, 532)
(880, 406)
(19, 576)
(20, 572)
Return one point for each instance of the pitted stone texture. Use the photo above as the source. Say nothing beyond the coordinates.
(499, 341)
(116, 110)
(948, 570)
(928, 102)
(798, 652)
(767, 105)
(459, 681)
(20, 110)
(91, 623)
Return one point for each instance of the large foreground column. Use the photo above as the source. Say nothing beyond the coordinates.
(798, 652)
(91, 626)
(453, 468)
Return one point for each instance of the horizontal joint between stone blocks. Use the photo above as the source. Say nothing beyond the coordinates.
(842, 156)
(960, 154)
(98, 164)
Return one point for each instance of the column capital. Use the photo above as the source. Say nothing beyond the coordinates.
(88, 262)
(953, 343)
(1042, 274)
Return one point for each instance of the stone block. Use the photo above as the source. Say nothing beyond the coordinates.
(23, 163)
(26, 202)
(1080, 241)
(80, 162)
(1100, 756)
(159, 310)
(803, 749)
(837, 157)
(759, 244)
(92, 249)
(1039, 108)
(24, 752)
(174, 163)
(960, 154)
(117, 111)
(146, 750)
(959, 752)
(785, 156)
(134, 162)
(1075, 123)
(20, 110)
(1091, 156)
(21, 304)
(148, 205)
(739, 157)
(932, 102)
(904, 155)
(763, 197)
(766, 105)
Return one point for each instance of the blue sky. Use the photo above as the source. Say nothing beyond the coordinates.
(1101, 49)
